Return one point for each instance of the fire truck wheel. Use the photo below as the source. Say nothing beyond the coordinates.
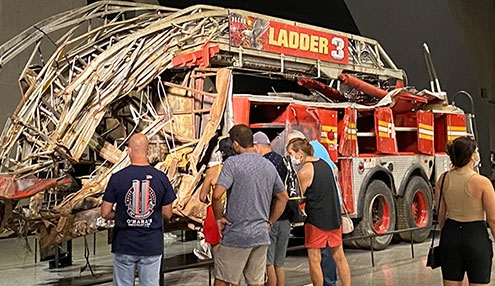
(414, 209)
(378, 215)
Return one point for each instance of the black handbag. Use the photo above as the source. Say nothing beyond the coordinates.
(434, 258)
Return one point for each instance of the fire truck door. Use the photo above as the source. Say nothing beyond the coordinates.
(302, 118)
(348, 137)
(425, 133)
(456, 126)
(328, 120)
(385, 131)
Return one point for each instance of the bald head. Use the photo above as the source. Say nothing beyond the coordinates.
(138, 149)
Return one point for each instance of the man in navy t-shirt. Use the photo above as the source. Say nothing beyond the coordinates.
(138, 197)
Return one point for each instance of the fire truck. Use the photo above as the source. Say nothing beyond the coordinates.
(184, 78)
(387, 139)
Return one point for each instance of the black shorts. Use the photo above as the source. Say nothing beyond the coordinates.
(466, 247)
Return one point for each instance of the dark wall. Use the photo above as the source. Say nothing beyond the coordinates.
(332, 14)
(461, 37)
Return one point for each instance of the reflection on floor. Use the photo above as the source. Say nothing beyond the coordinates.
(393, 266)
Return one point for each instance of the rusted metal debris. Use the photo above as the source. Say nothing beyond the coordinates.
(105, 80)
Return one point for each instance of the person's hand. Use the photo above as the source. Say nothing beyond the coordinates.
(221, 223)
(270, 225)
(204, 198)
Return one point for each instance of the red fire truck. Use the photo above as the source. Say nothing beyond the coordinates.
(387, 139)
(185, 77)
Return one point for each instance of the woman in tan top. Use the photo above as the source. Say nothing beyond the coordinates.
(467, 205)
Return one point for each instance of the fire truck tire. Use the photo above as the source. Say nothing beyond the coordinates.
(378, 214)
(415, 209)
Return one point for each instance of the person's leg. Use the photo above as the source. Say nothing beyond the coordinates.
(149, 270)
(451, 283)
(279, 271)
(230, 263)
(271, 276)
(219, 282)
(314, 258)
(283, 228)
(328, 267)
(477, 253)
(342, 265)
(123, 269)
(254, 271)
(270, 257)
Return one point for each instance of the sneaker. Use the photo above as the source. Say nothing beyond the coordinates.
(200, 255)
(169, 236)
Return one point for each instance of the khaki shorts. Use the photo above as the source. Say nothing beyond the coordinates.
(231, 263)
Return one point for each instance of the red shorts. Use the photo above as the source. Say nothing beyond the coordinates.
(318, 238)
(210, 227)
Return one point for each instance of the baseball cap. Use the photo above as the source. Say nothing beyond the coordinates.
(260, 138)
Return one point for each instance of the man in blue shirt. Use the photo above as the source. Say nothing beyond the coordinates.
(138, 197)
(280, 232)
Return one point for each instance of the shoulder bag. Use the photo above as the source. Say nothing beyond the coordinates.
(434, 259)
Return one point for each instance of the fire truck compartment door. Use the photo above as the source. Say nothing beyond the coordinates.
(328, 134)
(302, 118)
(347, 127)
(456, 126)
(385, 131)
(426, 134)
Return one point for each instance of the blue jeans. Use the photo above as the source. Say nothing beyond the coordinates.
(328, 267)
(124, 267)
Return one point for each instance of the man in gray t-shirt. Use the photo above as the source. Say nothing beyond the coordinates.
(253, 182)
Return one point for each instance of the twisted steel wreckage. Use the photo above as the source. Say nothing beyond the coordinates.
(183, 78)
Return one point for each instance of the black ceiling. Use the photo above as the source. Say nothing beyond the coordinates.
(332, 14)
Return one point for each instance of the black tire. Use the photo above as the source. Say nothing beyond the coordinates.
(378, 215)
(415, 209)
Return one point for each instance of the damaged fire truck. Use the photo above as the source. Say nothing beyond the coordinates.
(183, 78)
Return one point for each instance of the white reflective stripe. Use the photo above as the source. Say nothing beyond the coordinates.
(456, 133)
(383, 129)
(427, 132)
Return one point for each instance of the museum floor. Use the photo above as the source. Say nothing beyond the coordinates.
(393, 266)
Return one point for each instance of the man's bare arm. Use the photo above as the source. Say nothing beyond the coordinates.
(278, 207)
(107, 211)
(217, 201)
(167, 212)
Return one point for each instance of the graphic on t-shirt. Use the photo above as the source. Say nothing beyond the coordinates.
(140, 200)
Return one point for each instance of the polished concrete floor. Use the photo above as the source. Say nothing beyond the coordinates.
(393, 266)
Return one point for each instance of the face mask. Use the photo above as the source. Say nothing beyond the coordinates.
(295, 161)
(476, 162)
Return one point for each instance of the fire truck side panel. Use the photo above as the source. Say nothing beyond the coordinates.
(385, 131)
(346, 183)
(303, 118)
(425, 133)
(442, 164)
(328, 132)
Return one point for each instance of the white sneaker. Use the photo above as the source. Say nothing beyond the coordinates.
(200, 255)
(203, 250)
(169, 236)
